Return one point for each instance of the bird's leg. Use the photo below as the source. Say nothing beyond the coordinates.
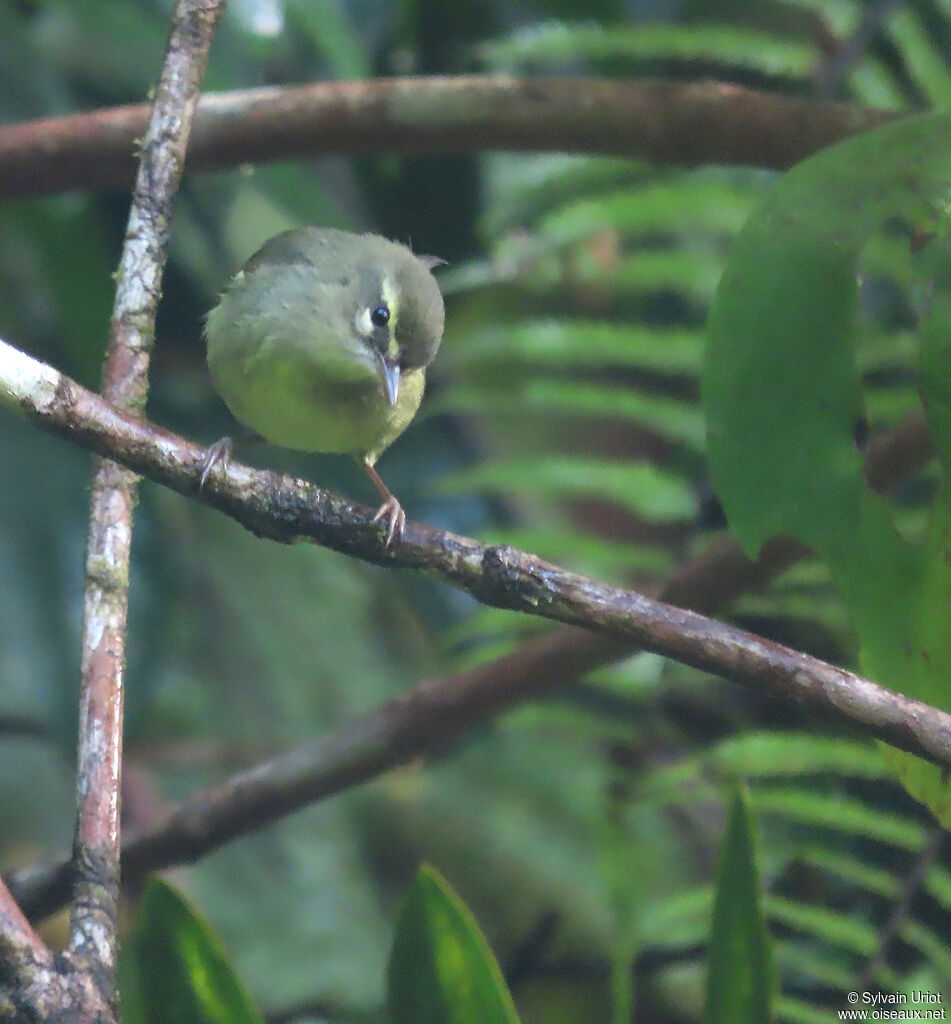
(219, 454)
(391, 511)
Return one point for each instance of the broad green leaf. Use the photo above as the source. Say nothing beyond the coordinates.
(740, 981)
(441, 968)
(783, 395)
(183, 975)
(780, 385)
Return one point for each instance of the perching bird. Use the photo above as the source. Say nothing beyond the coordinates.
(321, 342)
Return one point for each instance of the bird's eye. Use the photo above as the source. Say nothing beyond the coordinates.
(380, 316)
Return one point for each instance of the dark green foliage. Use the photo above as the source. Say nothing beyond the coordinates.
(563, 416)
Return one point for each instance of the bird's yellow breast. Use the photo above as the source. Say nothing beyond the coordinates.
(293, 403)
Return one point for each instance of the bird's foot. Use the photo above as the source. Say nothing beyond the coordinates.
(391, 512)
(218, 454)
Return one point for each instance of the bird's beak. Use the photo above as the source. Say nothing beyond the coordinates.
(389, 371)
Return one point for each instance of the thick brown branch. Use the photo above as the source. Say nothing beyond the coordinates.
(436, 710)
(21, 949)
(34, 987)
(667, 122)
(284, 509)
(96, 848)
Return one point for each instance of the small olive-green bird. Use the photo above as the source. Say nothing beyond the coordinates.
(321, 342)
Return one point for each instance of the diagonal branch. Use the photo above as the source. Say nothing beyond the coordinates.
(23, 954)
(96, 847)
(901, 911)
(688, 123)
(33, 987)
(430, 712)
(433, 713)
(285, 509)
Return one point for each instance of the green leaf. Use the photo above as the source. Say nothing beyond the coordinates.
(740, 981)
(782, 395)
(183, 975)
(781, 389)
(441, 968)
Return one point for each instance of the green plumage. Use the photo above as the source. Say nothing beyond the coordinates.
(287, 352)
(321, 343)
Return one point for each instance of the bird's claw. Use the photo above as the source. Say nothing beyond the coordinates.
(391, 512)
(218, 454)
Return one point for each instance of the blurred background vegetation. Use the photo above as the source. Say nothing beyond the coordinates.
(563, 417)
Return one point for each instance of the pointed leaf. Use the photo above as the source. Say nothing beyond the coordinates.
(183, 975)
(442, 970)
(740, 981)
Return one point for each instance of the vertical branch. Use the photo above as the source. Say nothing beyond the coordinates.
(93, 916)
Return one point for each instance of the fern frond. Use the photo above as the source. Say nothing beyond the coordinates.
(840, 814)
(728, 45)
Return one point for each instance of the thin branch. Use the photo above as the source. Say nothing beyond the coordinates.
(282, 508)
(667, 122)
(25, 727)
(96, 847)
(833, 71)
(902, 908)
